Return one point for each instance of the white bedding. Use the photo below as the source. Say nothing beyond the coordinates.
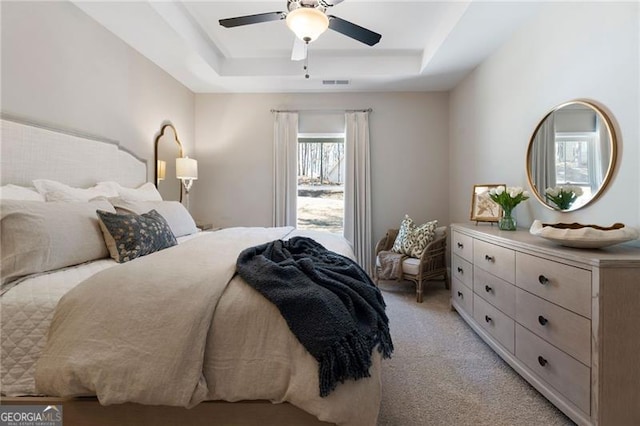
(25, 314)
(27, 310)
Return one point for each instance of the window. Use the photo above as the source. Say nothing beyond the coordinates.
(574, 154)
(321, 182)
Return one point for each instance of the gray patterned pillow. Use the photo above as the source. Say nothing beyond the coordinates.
(412, 239)
(130, 235)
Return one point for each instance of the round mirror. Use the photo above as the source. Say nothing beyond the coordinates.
(571, 156)
(168, 148)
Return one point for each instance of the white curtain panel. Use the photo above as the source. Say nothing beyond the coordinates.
(357, 187)
(285, 160)
(543, 160)
(603, 151)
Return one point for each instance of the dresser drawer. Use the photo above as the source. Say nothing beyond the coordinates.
(564, 285)
(570, 377)
(462, 270)
(562, 328)
(462, 295)
(499, 293)
(500, 326)
(462, 245)
(500, 261)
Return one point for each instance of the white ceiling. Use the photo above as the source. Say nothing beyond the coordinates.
(425, 46)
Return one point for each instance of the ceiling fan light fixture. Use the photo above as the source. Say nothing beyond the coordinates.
(308, 23)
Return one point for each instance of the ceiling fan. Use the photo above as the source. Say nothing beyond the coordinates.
(308, 19)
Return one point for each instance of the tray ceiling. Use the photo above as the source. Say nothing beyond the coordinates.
(425, 46)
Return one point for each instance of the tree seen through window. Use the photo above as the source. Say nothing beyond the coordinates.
(321, 183)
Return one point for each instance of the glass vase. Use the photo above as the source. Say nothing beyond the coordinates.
(507, 222)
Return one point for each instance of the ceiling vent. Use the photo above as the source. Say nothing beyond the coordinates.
(335, 82)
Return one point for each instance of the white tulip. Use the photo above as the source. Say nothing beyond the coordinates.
(500, 190)
(552, 191)
(525, 193)
(514, 192)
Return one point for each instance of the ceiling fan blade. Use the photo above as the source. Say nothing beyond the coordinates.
(354, 31)
(251, 19)
(299, 51)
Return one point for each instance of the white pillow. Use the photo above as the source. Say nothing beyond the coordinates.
(176, 215)
(58, 191)
(15, 192)
(145, 192)
(39, 237)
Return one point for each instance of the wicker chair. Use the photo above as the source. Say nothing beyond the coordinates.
(430, 265)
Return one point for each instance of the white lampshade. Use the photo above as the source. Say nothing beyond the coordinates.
(307, 23)
(186, 168)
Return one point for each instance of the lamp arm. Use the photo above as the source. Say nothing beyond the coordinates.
(187, 183)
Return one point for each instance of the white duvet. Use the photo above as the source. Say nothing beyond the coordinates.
(246, 352)
(25, 314)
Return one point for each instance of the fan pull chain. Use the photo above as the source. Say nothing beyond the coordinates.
(306, 59)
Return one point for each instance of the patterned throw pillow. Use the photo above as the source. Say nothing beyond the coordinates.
(422, 236)
(403, 241)
(130, 235)
(412, 239)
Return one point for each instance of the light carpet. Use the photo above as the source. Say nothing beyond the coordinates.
(441, 373)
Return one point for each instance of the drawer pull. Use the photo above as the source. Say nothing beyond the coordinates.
(460, 270)
(487, 289)
(489, 258)
(487, 318)
(542, 320)
(542, 361)
(460, 245)
(542, 279)
(460, 295)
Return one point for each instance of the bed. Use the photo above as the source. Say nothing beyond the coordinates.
(268, 376)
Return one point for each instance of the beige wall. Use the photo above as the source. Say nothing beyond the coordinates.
(427, 149)
(68, 71)
(62, 68)
(409, 154)
(588, 51)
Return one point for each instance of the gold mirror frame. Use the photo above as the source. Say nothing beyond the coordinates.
(603, 119)
(166, 151)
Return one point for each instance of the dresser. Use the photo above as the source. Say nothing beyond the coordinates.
(566, 319)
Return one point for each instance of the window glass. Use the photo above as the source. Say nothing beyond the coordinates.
(321, 183)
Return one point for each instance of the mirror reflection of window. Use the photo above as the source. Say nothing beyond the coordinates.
(573, 154)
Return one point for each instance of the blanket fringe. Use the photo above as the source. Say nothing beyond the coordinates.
(385, 346)
(348, 358)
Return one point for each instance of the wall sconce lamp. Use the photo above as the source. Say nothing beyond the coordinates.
(187, 172)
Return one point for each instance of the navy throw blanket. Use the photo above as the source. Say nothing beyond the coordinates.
(330, 304)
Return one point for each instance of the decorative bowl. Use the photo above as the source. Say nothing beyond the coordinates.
(583, 236)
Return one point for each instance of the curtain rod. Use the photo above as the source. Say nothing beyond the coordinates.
(325, 111)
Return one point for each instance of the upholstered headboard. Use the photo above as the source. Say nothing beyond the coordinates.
(35, 151)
